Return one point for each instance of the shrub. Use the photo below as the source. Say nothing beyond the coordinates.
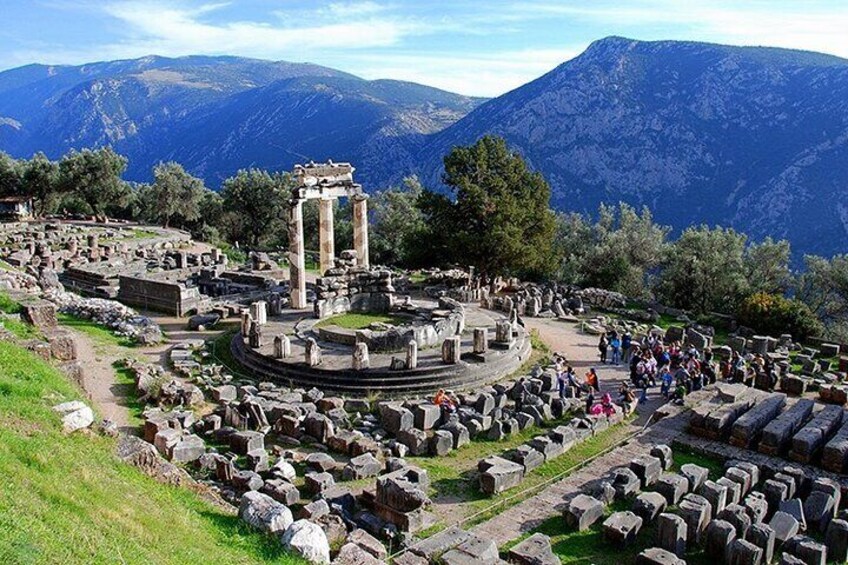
(773, 314)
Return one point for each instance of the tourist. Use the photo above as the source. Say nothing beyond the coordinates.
(592, 380)
(602, 347)
(615, 345)
(573, 381)
(665, 382)
(626, 344)
(561, 377)
(590, 399)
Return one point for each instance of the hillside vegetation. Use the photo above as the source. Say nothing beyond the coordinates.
(68, 499)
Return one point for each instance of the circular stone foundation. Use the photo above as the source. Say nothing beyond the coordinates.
(335, 372)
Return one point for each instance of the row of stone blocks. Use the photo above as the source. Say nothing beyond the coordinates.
(751, 420)
(727, 517)
(498, 474)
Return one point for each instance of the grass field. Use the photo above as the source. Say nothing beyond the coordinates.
(100, 334)
(589, 547)
(359, 321)
(454, 477)
(67, 499)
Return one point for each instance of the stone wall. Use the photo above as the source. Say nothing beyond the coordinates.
(170, 298)
(353, 289)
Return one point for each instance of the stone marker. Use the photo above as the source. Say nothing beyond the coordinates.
(836, 540)
(785, 526)
(696, 511)
(658, 556)
(719, 537)
(535, 550)
(743, 552)
(695, 474)
(583, 511)
(649, 505)
(762, 536)
(716, 495)
(673, 487)
(621, 528)
(672, 533)
(647, 468)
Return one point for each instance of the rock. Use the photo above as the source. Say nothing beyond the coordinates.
(415, 440)
(361, 467)
(795, 508)
(672, 533)
(658, 556)
(625, 482)
(776, 436)
(673, 487)
(189, 448)
(498, 474)
(664, 454)
(583, 511)
(785, 526)
(756, 506)
(647, 468)
(819, 509)
(649, 505)
(737, 516)
(743, 552)
(527, 457)
(320, 462)
(308, 540)
(284, 469)
(716, 495)
(740, 476)
(76, 415)
(395, 418)
(263, 512)
(458, 432)
(762, 536)
(535, 550)
(836, 540)
(368, 542)
(352, 554)
(473, 550)
(282, 491)
(441, 443)
(621, 528)
(696, 511)
(246, 441)
(426, 415)
(719, 537)
(315, 509)
(317, 483)
(695, 474)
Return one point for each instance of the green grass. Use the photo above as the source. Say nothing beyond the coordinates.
(455, 475)
(19, 329)
(417, 278)
(67, 499)
(359, 321)
(589, 547)
(100, 334)
(125, 389)
(7, 305)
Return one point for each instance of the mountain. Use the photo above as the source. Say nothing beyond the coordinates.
(749, 137)
(218, 114)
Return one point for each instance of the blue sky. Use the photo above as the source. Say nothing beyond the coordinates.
(478, 47)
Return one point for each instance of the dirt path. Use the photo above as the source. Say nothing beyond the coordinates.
(99, 380)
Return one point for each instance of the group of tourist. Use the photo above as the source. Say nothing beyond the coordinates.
(678, 370)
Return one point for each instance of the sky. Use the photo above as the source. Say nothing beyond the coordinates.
(473, 47)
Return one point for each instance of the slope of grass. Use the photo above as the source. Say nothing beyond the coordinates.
(97, 332)
(68, 499)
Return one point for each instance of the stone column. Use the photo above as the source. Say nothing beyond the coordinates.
(360, 229)
(326, 235)
(297, 257)
(450, 350)
(282, 347)
(360, 356)
(313, 352)
(503, 332)
(412, 355)
(481, 340)
(245, 323)
(259, 312)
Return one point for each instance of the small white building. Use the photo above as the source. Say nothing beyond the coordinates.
(15, 208)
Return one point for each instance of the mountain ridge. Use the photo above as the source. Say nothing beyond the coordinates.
(755, 138)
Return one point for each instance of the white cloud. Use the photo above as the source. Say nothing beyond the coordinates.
(488, 74)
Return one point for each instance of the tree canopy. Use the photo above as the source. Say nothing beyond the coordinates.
(499, 218)
(94, 176)
(254, 200)
(174, 197)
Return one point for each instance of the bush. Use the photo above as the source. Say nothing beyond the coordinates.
(773, 315)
